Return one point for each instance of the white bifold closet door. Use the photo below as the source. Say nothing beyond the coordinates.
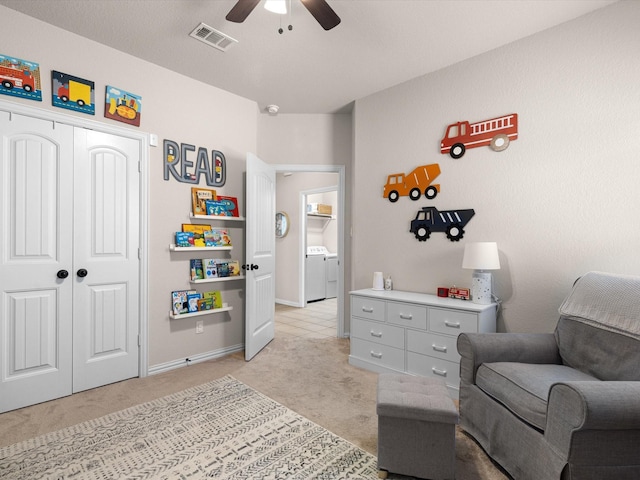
(69, 259)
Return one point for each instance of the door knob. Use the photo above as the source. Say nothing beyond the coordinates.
(254, 267)
(62, 274)
(82, 273)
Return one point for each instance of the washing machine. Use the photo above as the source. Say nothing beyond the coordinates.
(315, 279)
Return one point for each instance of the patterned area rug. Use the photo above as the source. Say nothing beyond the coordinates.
(222, 429)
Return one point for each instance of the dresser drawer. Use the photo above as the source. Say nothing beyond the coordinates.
(407, 315)
(427, 366)
(377, 354)
(376, 332)
(452, 322)
(365, 307)
(427, 343)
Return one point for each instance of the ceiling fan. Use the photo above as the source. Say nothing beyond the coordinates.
(320, 10)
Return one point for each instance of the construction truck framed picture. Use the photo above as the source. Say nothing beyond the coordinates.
(20, 78)
(72, 93)
(125, 107)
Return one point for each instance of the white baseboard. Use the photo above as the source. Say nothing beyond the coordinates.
(200, 357)
(288, 303)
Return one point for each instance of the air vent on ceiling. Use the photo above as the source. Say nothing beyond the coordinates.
(213, 37)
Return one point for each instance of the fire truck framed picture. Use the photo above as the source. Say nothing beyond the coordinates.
(20, 78)
(122, 106)
(72, 93)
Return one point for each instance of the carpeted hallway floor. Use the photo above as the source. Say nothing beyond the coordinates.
(309, 374)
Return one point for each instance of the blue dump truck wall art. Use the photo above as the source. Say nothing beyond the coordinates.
(451, 222)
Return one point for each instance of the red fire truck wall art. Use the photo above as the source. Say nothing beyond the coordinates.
(495, 132)
(20, 78)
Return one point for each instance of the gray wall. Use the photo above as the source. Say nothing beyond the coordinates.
(560, 201)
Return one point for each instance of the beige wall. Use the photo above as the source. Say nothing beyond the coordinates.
(173, 107)
(305, 140)
(561, 200)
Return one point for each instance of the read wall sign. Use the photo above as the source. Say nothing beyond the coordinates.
(181, 162)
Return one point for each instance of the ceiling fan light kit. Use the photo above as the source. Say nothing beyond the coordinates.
(320, 10)
(276, 6)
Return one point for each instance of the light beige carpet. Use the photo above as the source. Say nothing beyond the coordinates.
(311, 377)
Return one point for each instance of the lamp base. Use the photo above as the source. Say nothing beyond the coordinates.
(481, 287)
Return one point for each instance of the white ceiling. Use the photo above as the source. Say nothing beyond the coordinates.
(378, 44)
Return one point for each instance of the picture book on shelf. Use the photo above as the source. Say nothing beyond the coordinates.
(209, 268)
(184, 239)
(199, 197)
(192, 301)
(198, 231)
(205, 304)
(180, 301)
(217, 238)
(234, 268)
(231, 204)
(197, 271)
(217, 208)
(222, 206)
(223, 268)
(216, 297)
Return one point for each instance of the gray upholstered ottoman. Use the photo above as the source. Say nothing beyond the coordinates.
(416, 427)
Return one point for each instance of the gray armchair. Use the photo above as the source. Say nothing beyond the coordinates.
(562, 405)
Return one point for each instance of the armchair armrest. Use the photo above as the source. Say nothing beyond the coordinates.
(588, 407)
(478, 348)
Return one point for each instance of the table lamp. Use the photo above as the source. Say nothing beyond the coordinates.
(481, 256)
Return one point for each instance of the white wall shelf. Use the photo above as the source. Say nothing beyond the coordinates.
(173, 248)
(217, 218)
(321, 215)
(218, 279)
(173, 316)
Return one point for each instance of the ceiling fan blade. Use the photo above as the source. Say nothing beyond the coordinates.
(322, 12)
(241, 10)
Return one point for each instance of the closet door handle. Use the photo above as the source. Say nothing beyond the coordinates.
(62, 274)
(82, 273)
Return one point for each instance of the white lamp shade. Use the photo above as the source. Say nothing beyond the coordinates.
(481, 256)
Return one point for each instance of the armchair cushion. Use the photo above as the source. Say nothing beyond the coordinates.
(524, 388)
(604, 354)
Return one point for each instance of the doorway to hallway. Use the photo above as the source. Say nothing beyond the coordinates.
(293, 183)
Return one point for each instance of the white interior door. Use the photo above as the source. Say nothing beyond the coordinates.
(260, 257)
(106, 263)
(36, 209)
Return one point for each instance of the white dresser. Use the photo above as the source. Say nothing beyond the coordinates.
(414, 333)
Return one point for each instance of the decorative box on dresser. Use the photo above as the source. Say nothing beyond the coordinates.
(414, 333)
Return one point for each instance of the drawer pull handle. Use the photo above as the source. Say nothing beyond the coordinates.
(452, 324)
(367, 309)
(376, 355)
(442, 373)
(405, 316)
(376, 334)
(438, 348)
